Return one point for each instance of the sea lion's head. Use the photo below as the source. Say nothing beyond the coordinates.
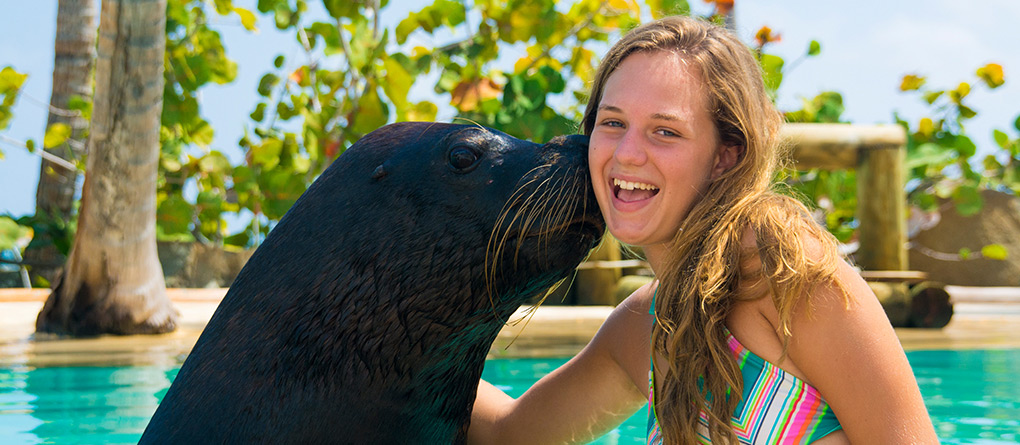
(467, 211)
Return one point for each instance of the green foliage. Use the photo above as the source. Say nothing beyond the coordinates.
(60, 232)
(994, 252)
(312, 111)
(826, 107)
(195, 57)
(356, 76)
(56, 134)
(10, 85)
(10, 233)
(940, 154)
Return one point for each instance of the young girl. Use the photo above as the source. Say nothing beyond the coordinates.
(756, 330)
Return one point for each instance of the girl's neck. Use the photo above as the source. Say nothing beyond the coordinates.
(656, 256)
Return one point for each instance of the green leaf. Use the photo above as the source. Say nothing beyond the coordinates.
(406, 27)
(282, 189)
(929, 154)
(964, 146)
(56, 134)
(1016, 123)
(992, 75)
(267, 154)
(663, 8)
(265, 6)
(1000, 138)
(266, 84)
(201, 133)
(81, 105)
(991, 164)
(341, 8)
(912, 82)
(259, 113)
(173, 215)
(968, 200)
(424, 111)
(330, 36)
(964, 253)
(301, 164)
(10, 80)
(10, 233)
(242, 239)
(223, 7)
(247, 18)
(372, 112)
(961, 91)
(814, 48)
(932, 96)
(284, 16)
(215, 163)
(966, 112)
(994, 252)
(772, 70)
(397, 85)
(278, 61)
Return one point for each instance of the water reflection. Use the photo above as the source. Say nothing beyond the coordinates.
(972, 396)
(70, 405)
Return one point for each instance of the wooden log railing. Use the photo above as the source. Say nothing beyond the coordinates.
(878, 154)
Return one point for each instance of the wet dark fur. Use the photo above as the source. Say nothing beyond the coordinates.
(366, 315)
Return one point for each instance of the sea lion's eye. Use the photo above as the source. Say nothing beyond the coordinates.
(463, 158)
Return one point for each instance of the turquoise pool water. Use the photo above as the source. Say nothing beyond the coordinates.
(972, 396)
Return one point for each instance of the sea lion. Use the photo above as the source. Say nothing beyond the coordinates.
(367, 313)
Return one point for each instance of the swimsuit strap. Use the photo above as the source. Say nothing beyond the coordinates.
(775, 407)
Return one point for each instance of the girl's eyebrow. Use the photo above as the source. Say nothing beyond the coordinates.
(658, 116)
(666, 117)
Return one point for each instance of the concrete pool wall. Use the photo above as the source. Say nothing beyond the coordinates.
(985, 318)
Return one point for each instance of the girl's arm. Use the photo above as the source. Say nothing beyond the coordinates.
(589, 395)
(852, 356)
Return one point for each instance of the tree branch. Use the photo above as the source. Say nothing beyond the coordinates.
(56, 160)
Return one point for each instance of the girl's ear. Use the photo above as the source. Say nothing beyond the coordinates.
(725, 158)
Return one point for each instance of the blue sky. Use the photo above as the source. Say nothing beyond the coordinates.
(867, 46)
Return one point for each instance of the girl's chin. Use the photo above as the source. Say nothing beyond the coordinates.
(629, 235)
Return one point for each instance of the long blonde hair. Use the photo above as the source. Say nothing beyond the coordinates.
(705, 262)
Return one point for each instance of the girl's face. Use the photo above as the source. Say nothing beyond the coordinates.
(654, 147)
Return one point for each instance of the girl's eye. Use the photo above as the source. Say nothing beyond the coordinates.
(666, 132)
(611, 123)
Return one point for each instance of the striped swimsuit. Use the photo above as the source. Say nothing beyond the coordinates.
(776, 407)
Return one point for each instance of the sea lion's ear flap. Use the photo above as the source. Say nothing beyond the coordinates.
(379, 172)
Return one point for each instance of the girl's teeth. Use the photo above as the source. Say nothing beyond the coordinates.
(628, 185)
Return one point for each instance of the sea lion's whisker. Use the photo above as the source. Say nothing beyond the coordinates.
(494, 248)
(490, 273)
(530, 312)
(529, 219)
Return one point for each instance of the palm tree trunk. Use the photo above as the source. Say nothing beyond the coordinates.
(113, 282)
(74, 58)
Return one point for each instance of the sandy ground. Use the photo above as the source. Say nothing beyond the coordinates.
(984, 318)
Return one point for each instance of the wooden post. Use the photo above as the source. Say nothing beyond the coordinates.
(597, 286)
(881, 208)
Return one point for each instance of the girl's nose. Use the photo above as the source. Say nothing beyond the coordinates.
(630, 150)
